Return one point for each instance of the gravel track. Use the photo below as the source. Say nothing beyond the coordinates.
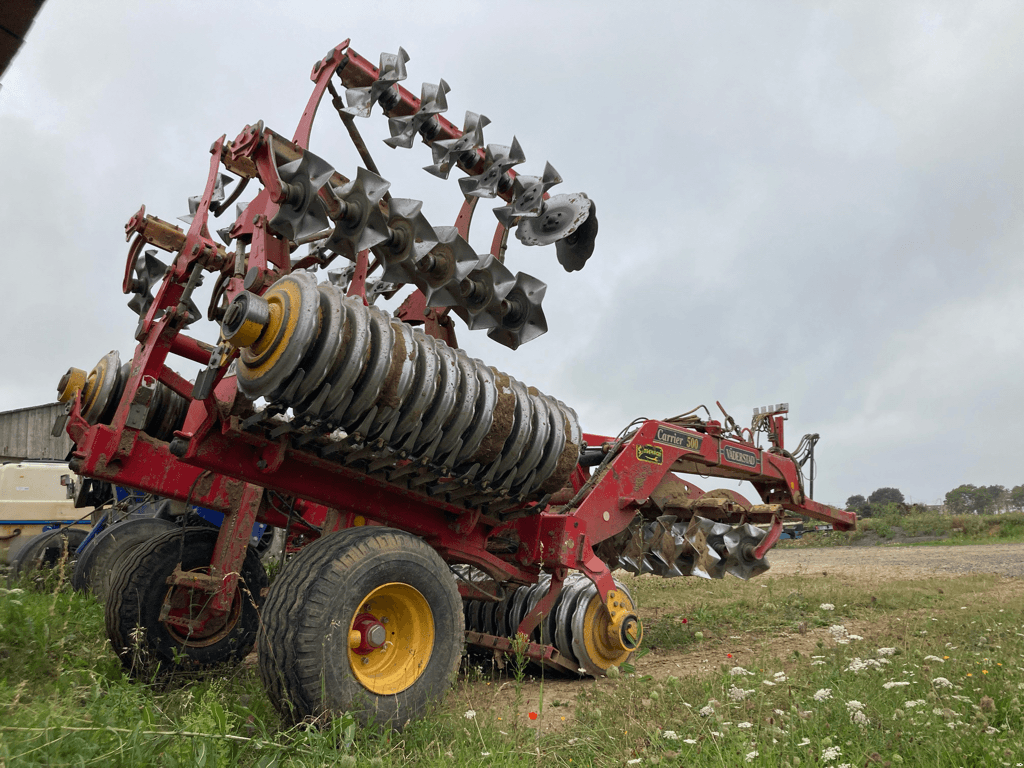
(901, 562)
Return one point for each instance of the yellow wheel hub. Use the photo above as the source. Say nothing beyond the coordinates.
(408, 634)
(71, 382)
(265, 350)
(606, 639)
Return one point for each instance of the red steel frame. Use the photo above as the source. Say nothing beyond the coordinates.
(215, 463)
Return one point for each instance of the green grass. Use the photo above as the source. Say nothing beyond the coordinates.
(64, 699)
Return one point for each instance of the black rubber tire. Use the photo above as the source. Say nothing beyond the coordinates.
(98, 562)
(44, 552)
(303, 657)
(137, 592)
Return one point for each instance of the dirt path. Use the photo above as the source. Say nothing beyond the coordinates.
(902, 562)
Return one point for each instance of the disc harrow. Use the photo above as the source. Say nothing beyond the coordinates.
(573, 625)
(341, 365)
(388, 455)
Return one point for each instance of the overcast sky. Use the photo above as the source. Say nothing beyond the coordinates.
(813, 203)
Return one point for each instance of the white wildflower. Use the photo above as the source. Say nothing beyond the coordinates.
(894, 684)
(823, 694)
(752, 755)
(941, 682)
(912, 703)
(860, 718)
(470, 714)
(886, 651)
(670, 735)
(858, 664)
(780, 677)
(854, 637)
(707, 711)
(739, 694)
(990, 730)
(634, 761)
(485, 754)
(769, 683)
(689, 741)
(717, 734)
(934, 658)
(804, 743)
(827, 607)
(736, 671)
(744, 725)
(830, 753)
(854, 705)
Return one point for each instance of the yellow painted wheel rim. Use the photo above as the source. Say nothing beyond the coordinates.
(409, 623)
(283, 300)
(598, 633)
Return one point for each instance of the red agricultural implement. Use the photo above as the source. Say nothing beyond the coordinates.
(437, 501)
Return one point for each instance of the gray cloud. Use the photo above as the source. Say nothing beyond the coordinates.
(812, 203)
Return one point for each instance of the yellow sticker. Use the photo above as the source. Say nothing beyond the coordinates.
(652, 454)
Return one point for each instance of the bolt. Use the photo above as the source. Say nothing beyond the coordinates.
(384, 620)
(365, 660)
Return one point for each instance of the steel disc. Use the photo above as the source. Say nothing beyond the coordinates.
(501, 624)
(514, 617)
(440, 408)
(483, 412)
(327, 345)
(465, 403)
(367, 389)
(423, 388)
(100, 386)
(355, 349)
(266, 364)
(563, 616)
(516, 442)
(561, 216)
(555, 442)
(487, 617)
(586, 633)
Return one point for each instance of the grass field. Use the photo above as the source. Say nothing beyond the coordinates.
(921, 528)
(781, 671)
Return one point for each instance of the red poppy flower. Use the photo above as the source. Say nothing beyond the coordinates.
(533, 715)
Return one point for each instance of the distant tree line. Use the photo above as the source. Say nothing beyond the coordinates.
(881, 499)
(985, 499)
(962, 500)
